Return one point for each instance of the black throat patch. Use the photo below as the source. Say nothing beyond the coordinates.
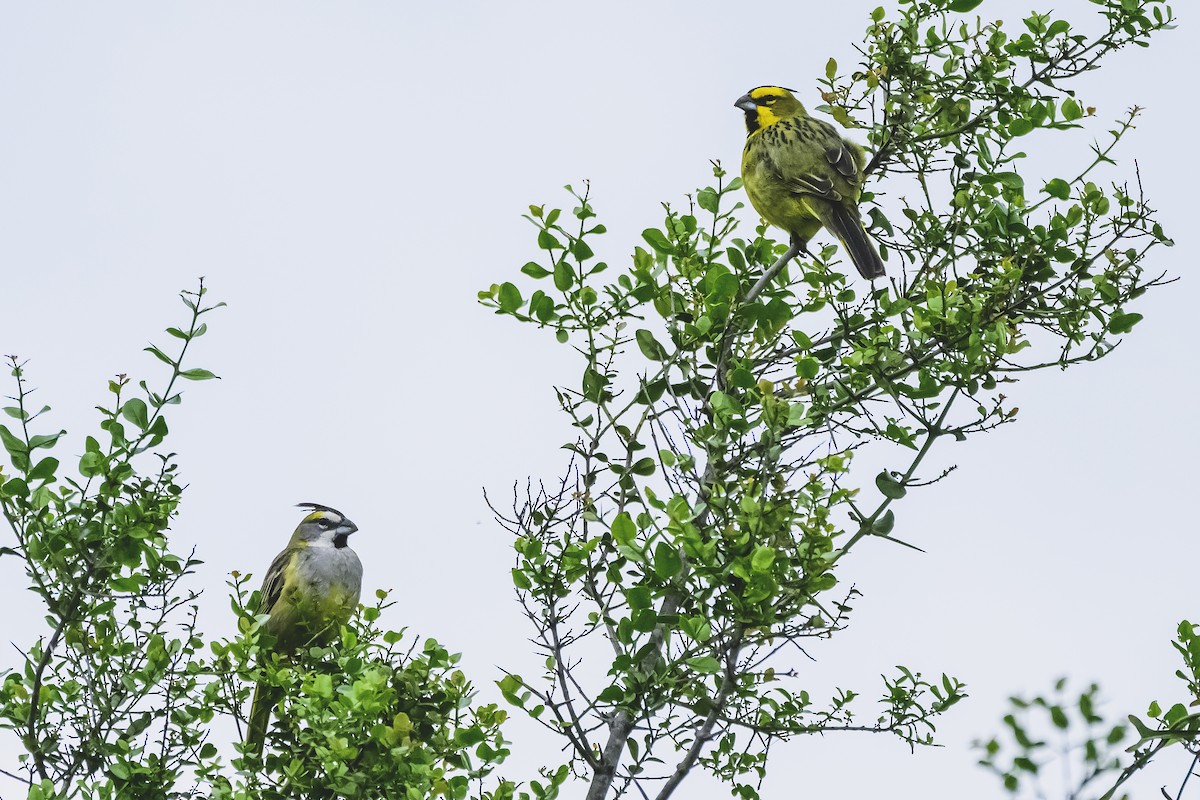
(751, 121)
(339, 541)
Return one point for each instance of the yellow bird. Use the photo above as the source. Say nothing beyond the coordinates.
(801, 175)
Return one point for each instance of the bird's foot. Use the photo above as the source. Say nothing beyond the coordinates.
(798, 246)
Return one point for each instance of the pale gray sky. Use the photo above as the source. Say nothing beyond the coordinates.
(348, 175)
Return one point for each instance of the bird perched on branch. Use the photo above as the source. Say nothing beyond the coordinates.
(310, 591)
(801, 175)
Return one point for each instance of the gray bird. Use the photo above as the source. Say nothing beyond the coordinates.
(310, 591)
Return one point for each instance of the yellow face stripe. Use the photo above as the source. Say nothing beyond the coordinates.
(766, 117)
(768, 91)
(316, 515)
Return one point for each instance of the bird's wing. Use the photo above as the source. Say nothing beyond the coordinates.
(804, 168)
(807, 183)
(272, 586)
(842, 160)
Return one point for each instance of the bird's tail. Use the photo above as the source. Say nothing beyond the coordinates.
(265, 698)
(847, 226)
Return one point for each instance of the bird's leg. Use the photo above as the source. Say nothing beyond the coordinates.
(798, 246)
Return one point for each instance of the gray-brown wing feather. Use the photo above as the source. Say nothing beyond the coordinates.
(846, 224)
(272, 587)
(813, 185)
(841, 159)
(805, 183)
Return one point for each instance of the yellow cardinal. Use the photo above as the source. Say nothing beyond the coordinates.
(801, 175)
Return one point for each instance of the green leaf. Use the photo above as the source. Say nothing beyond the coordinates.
(593, 385)
(521, 580)
(706, 665)
(509, 298)
(44, 440)
(15, 447)
(546, 241)
(644, 620)
(197, 375)
(724, 286)
(831, 68)
(1057, 27)
(889, 486)
(963, 6)
(535, 270)
(581, 250)
(741, 378)
(541, 306)
(707, 199)
(696, 628)
(91, 463)
(650, 392)
(1059, 718)
(623, 529)
(1019, 127)
(1071, 110)
(564, 276)
(643, 466)
(736, 259)
(900, 434)
(649, 346)
(658, 240)
(667, 562)
(724, 405)
(797, 414)
(510, 686)
(1009, 179)
(885, 523)
(762, 558)
(159, 426)
(807, 367)
(802, 340)
(879, 221)
(44, 470)
(1123, 323)
(1058, 188)
(468, 737)
(160, 355)
(638, 597)
(135, 411)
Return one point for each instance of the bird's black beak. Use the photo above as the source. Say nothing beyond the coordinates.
(746, 103)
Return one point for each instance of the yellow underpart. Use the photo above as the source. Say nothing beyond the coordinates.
(289, 572)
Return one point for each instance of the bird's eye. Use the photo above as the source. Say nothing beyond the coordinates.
(771, 99)
(324, 523)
